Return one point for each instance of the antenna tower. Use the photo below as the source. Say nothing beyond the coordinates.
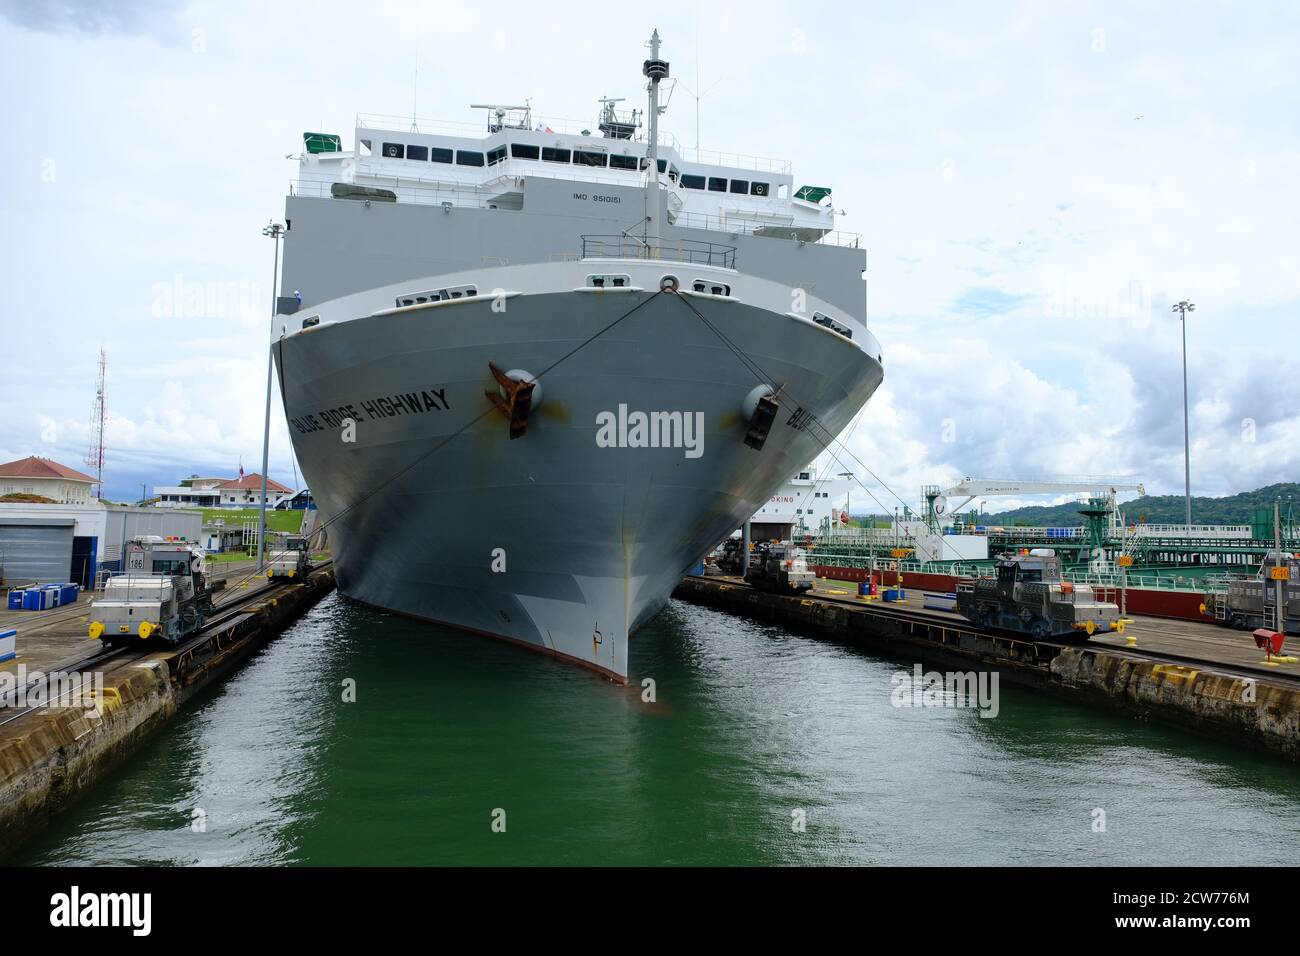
(95, 457)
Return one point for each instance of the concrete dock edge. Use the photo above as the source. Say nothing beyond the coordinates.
(50, 758)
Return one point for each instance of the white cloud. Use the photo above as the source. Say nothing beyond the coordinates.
(1031, 205)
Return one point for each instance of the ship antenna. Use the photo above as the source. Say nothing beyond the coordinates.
(655, 70)
(415, 89)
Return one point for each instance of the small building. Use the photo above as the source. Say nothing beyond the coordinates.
(302, 501)
(54, 543)
(191, 492)
(244, 491)
(47, 478)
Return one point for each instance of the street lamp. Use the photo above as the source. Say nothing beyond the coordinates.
(274, 230)
(1182, 308)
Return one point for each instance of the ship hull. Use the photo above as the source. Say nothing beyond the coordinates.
(568, 538)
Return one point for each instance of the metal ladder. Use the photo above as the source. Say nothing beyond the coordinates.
(1216, 591)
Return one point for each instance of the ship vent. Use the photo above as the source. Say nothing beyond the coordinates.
(437, 295)
(826, 321)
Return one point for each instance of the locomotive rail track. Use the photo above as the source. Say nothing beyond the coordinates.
(954, 621)
(230, 609)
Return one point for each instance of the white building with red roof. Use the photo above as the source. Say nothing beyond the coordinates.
(244, 491)
(45, 477)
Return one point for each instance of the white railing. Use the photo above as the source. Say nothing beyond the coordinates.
(509, 168)
(1137, 532)
(1061, 534)
(761, 164)
(1228, 531)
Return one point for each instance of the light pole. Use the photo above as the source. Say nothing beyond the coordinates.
(275, 230)
(1182, 308)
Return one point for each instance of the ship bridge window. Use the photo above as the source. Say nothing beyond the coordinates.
(497, 155)
(693, 182)
(553, 154)
(586, 157)
(468, 157)
(394, 150)
(622, 162)
(717, 184)
(740, 186)
(524, 151)
(417, 152)
(439, 155)
(759, 189)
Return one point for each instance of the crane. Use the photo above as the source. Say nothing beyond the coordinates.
(936, 498)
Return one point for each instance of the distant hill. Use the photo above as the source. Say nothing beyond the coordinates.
(1162, 509)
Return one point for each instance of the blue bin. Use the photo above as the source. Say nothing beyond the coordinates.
(34, 599)
(15, 600)
(68, 593)
(895, 594)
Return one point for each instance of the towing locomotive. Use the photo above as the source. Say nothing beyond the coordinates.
(1028, 595)
(162, 595)
(779, 567)
(291, 560)
(1250, 603)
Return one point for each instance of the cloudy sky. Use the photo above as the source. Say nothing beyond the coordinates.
(1035, 183)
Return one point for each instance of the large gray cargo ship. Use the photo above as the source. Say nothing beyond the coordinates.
(539, 370)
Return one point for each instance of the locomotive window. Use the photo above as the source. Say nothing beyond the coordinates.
(1032, 576)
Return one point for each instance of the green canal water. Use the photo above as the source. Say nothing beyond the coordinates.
(750, 725)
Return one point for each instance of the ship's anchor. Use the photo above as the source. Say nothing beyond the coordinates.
(518, 387)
